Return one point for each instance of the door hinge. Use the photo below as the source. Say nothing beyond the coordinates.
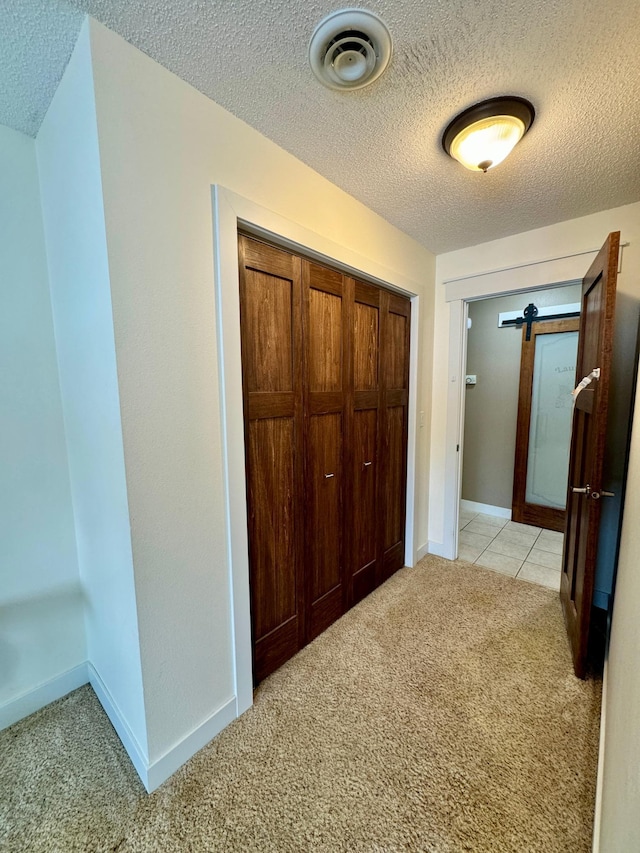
(457, 448)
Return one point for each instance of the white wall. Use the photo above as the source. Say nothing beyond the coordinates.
(69, 165)
(620, 740)
(565, 238)
(162, 146)
(41, 623)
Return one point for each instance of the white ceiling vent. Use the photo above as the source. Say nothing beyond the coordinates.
(349, 49)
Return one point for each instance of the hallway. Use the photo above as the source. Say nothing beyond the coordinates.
(440, 714)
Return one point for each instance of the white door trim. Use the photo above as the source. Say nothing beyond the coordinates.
(231, 211)
(536, 275)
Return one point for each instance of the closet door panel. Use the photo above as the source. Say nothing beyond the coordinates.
(323, 538)
(364, 401)
(271, 337)
(325, 341)
(396, 351)
(365, 347)
(395, 321)
(394, 498)
(324, 332)
(364, 520)
(271, 529)
(268, 329)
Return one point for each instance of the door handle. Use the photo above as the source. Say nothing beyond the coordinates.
(581, 490)
(366, 464)
(586, 490)
(328, 476)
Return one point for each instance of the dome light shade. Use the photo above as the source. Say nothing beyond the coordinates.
(485, 134)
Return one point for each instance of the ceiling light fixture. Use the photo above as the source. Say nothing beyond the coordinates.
(485, 134)
(349, 49)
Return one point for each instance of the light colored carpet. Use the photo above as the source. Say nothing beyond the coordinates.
(440, 715)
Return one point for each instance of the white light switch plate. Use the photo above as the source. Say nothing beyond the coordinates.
(471, 379)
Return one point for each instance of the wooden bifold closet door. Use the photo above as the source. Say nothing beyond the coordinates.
(325, 370)
(271, 335)
(324, 399)
(364, 411)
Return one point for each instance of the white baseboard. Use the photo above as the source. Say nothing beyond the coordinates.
(152, 774)
(436, 548)
(33, 700)
(422, 551)
(165, 766)
(133, 748)
(487, 509)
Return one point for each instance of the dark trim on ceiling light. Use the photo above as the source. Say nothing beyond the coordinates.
(508, 105)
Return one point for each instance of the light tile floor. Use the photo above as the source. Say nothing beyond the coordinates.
(519, 550)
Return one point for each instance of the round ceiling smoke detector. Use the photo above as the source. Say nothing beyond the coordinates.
(349, 49)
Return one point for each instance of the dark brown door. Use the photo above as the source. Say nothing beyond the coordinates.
(324, 391)
(271, 326)
(523, 510)
(325, 384)
(587, 449)
(364, 405)
(394, 398)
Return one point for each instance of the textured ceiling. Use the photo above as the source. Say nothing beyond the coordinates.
(36, 40)
(577, 61)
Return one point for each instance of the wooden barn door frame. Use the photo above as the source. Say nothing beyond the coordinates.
(524, 511)
(233, 212)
